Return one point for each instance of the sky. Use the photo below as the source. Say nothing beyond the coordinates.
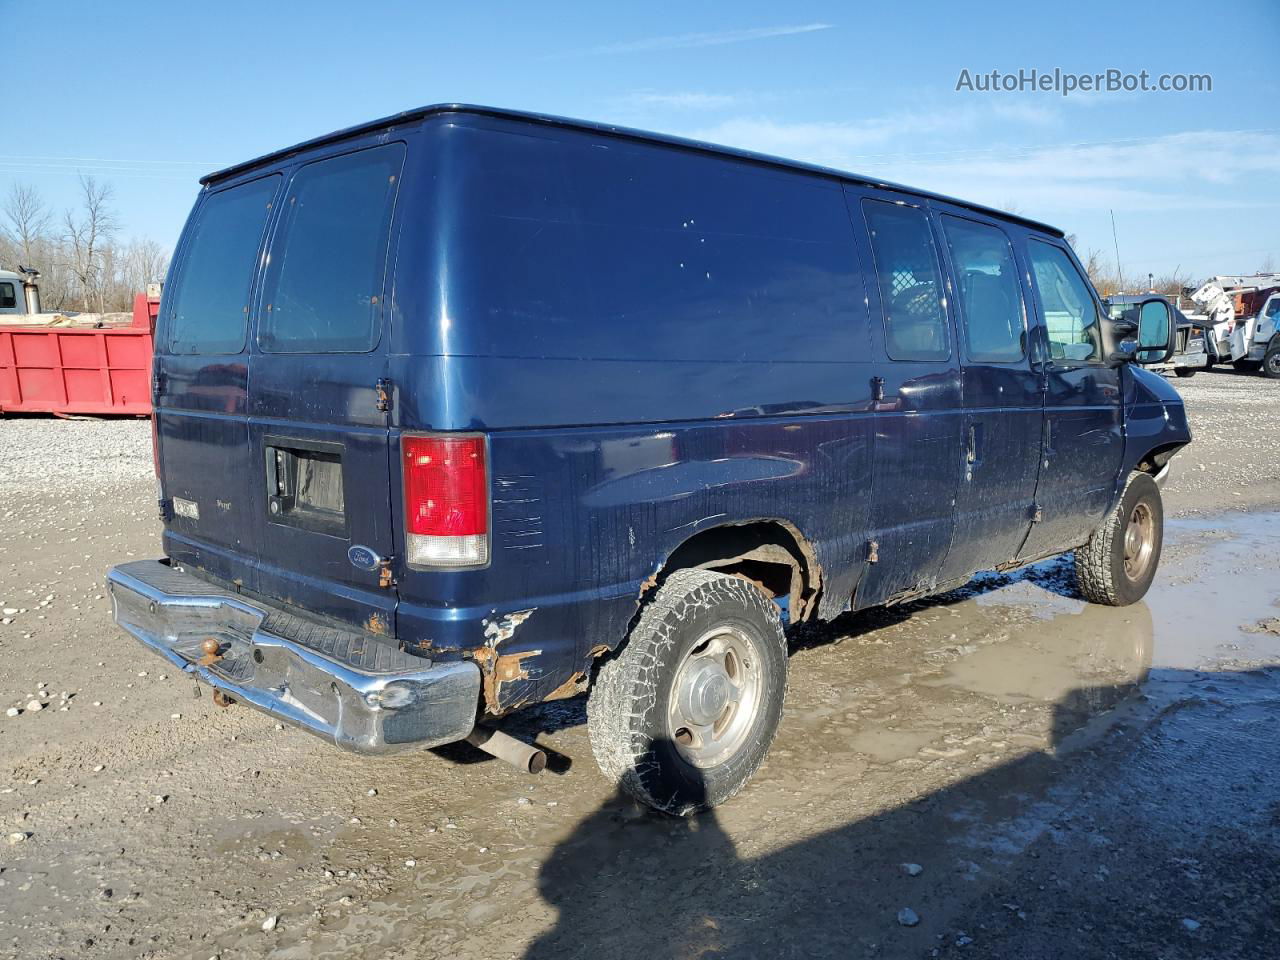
(149, 96)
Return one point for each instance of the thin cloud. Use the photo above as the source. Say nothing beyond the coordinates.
(681, 100)
(685, 41)
(1181, 171)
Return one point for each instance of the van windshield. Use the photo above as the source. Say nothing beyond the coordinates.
(210, 309)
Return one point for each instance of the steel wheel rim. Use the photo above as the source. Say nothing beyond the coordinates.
(715, 697)
(1273, 363)
(1139, 541)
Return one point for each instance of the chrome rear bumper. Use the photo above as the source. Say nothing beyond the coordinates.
(387, 702)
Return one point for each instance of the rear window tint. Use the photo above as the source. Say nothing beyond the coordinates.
(915, 326)
(211, 305)
(329, 255)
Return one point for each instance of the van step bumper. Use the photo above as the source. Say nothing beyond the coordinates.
(368, 698)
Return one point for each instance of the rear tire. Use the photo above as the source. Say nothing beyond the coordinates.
(1271, 362)
(1119, 562)
(1185, 371)
(683, 716)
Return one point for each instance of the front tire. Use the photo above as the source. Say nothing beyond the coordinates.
(1184, 371)
(683, 716)
(1119, 562)
(1271, 362)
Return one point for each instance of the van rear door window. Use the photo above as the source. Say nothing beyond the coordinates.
(990, 297)
(211, 304)
(329, 255)
(915, 325)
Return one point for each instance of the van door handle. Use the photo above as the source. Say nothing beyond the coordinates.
(971, 456)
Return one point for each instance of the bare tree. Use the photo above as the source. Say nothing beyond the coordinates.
(1172, 284)
(1101, 274)
(82, 264)
(86, 236)
(28, 219)
(1268, 265)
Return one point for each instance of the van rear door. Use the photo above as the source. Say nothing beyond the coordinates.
(200, 378)
(318, 435)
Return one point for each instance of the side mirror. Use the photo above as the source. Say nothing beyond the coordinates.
(1145, 333)
(1157, 331)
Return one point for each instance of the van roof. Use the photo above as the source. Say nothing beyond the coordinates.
(627, 132)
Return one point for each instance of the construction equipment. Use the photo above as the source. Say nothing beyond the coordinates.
(1244, 311)
(73, 363)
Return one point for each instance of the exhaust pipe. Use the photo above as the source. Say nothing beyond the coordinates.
(527, 757)
(30, 289)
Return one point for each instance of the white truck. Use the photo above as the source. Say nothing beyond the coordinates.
(19, 294)
(1245, 314)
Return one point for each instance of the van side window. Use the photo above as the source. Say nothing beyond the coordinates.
(1071, 317)
(329, 255)
(8, 296)
(990, 297)
(915, 326)
(211, 303)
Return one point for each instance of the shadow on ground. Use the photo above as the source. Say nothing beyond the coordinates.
(1164, 844)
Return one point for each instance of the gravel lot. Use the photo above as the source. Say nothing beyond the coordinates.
(1060, 773)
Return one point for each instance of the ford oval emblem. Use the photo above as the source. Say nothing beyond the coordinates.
(363, 558)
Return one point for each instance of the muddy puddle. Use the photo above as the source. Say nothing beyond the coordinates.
(964, 734)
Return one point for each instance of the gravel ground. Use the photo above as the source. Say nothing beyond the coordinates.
(1060, 773)
(1234, 461)
(72, 455)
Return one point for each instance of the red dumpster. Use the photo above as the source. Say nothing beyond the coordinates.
(93, 370)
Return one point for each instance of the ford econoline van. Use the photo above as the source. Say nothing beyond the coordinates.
(465, 410)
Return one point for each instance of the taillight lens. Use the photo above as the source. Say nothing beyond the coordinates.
(446, 501)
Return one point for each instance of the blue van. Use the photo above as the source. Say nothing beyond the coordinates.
(465, 410)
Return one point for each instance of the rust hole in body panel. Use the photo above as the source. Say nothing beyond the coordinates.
(576, 684)
(497, 670)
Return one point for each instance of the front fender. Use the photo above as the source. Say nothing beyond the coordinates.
(1155, 423)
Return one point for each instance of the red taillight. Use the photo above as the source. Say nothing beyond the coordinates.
(446, 501)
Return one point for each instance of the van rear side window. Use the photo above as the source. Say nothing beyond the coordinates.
(915, 326)
(990, 297)
(329, 255)
(211, 305)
